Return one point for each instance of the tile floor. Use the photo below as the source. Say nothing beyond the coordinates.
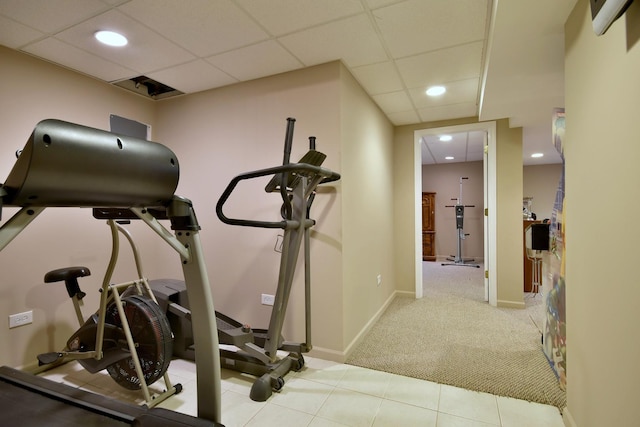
(329, 394)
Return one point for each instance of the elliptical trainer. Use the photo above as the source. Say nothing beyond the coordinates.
(255, 351)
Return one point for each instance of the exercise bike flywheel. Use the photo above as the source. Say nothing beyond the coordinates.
(153, 340)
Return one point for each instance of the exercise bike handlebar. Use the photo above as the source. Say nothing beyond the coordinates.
(298, 168)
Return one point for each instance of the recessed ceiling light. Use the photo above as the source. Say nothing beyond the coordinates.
(537, 155)
(436, 90)
(111, 38)
(449, 158)
(445, 138)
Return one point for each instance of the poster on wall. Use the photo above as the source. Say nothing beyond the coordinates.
(554, 336)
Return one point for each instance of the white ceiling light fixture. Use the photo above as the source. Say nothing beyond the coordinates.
(446, 138)
(536, 155)
(449, 158)
(436, 90)
(111, 38)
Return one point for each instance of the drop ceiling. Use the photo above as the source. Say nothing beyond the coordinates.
(497, 60)
(462, 147)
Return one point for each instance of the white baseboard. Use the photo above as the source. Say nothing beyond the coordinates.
(510, 304)
(341, 356)
(328, 354)
(365, 330)
(567, 418)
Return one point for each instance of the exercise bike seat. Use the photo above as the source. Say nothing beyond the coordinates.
(66, 274)
(70, 276)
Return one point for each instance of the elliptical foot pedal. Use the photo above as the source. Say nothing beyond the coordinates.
(261, 389)
(48, 358)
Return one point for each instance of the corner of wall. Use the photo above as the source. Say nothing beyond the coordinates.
(567, 419)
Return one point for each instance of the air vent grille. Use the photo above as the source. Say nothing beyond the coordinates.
(145, 86)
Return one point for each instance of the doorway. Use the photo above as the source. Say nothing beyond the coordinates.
(489, 185)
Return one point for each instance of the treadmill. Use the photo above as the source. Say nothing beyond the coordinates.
(28, 400)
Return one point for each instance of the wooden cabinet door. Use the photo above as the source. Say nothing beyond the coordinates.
(428, 227)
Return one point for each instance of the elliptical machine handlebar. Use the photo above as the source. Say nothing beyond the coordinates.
(287, 170)
(288, 143)
(285, 177)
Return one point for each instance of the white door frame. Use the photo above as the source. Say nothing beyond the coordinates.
(490, 202)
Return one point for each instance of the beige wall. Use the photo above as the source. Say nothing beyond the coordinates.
(368, 212)
(444, 180)
(541, 183)
(509, 236)
(602, 175)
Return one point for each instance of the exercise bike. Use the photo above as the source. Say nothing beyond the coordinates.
(250, 350)
(73, 166)
(129, 335)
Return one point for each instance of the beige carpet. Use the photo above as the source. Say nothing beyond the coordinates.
(451, 336)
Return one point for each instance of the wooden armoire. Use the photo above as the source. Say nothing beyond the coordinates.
(428, 226)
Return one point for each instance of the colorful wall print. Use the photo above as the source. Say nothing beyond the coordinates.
(555, 331)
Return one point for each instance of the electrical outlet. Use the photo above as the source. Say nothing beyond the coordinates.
(379, 279)
(267, 299)
(20, 319)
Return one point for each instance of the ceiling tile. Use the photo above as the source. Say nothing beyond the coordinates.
(259, 60)
(51, 15)
(393, 102)
(445, 112)
(326, 43)
(456, 139)
(464, 147)
(442, 66)
(475, 152)
(440, 23)
(77, 59)
(373, 4)
(282, 17)
(192, 77)
(403, 118)
(146, 52)
(204, 27)
(14, 34)
(427, 158)
(457, 92)
(378, 78)
(440, 150)
(477, 138)
(114, 2)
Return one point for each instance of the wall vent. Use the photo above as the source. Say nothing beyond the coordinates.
(143, 85)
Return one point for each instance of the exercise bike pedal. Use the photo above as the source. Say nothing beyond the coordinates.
(48, 358)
